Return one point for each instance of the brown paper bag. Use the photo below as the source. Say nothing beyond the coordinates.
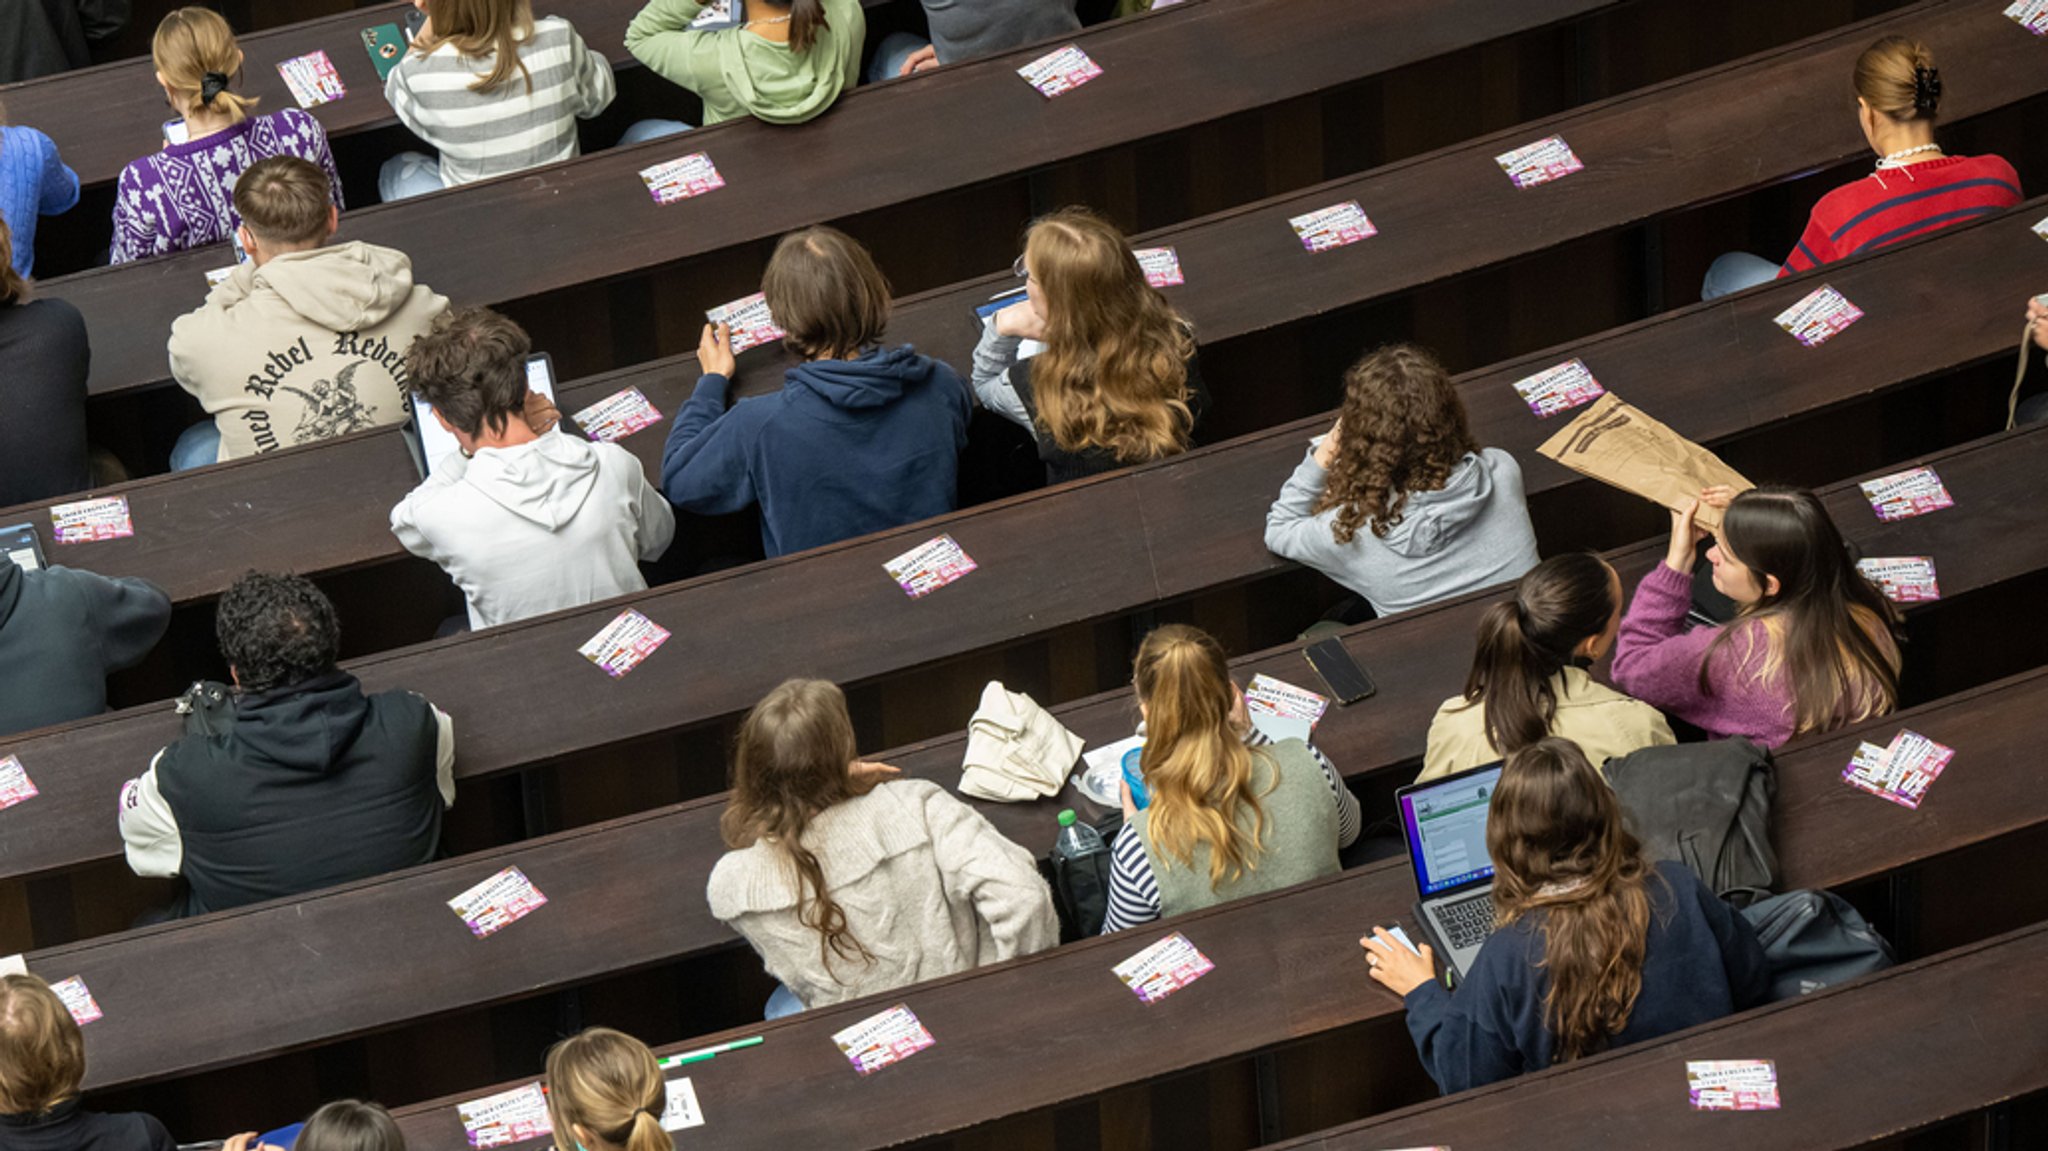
(1615, 443)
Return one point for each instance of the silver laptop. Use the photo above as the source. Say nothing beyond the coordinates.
(1445, 821)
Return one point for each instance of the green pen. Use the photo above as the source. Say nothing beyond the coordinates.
(700, 1056)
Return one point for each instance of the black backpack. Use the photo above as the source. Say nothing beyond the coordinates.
(1080, 888)
(1706, 805)
(1814, 939)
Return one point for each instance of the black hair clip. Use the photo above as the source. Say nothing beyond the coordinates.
(212, 84)
(1926, 89)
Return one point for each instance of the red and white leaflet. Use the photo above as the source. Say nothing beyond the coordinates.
(1913, 492)
(929, 566)
(1163, 968)
(1061, 70)
(879, 1040)
(1277, 697)
(1547, 159)
(88, 521)
(507, 1117)
(77, 1000)
(624, 643)
(752, 326)
(673, 180)
(503, 899)
(1732, 1084)
(1903, 579)
(15, 785)
(1902, 772)
(1559, 389)
(2031, 14)
(1333, 227)
(312, 79)
(617, 416)
(1820, 317)
(1161, 265)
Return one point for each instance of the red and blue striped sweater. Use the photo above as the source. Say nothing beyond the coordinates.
(1900, 203)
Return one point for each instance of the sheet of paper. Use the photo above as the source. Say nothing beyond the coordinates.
(1903, 579)
(752, 326)
(2033, 16)
(1901, 772)
(879, 1040)
(1618, 444)
(502, 899)
(1163, 968)
(89, 520)
(1821, 316)
(624, 643)
(1547, 159)
(1280, 728)
(1059, 71)
(617, 416)
(1559, 389)
(508, 1117)
(929, 566)
(77, 1000)
(1732, 1084)
(13, 965)
(1161, 265)
(15, 785)
(1102, 770)
(1333, 227)
(312, 79)
(1901, 495)
(673, 180)
(1278, 697)
(681, 1110)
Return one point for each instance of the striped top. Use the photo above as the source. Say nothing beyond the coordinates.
(507, 129)
(1134, 890)
(1900, 203)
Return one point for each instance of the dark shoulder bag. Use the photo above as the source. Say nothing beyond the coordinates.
(1706, 805)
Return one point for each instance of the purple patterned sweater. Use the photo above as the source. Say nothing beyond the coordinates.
(183, 196)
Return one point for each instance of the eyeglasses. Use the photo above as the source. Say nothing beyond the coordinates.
(1019, 270)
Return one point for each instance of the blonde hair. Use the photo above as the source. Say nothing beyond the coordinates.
(1196, 766)
(13, 286)
(1114, 373)
(1897, 77)
(478, 28)
(189, 44)
(609, 1084)
(42, 1054)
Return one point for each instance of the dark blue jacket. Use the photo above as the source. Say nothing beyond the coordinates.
(847, 447)
(1702, 962)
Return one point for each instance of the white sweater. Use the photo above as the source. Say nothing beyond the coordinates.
(928, 885)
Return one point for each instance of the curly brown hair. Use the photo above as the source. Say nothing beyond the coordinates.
(1402, 429)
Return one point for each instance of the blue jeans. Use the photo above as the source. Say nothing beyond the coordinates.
(1733, 272)
(783, 1003)
(408, 174)
(644, 130)
(890, 54)
(197, 446)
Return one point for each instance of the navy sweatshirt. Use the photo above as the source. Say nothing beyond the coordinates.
(1702, 962)
(847, 447)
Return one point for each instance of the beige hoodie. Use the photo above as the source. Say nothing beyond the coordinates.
(311, 345)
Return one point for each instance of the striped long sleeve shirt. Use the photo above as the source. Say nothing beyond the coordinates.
(1900, 203)
(509, 128)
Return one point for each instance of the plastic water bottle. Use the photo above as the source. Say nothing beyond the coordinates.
(1080, 867)
(1077, 840)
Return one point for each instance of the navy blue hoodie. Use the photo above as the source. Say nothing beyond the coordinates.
(847, 447)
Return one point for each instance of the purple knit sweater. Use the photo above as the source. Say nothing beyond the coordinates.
(1658, 661)
(183, 196)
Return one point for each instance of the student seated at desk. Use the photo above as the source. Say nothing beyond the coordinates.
(44, 356)
(1813, 646)
(343, 1125)
(43, 39)
(964, 29)
(1593, 946)
(181, 197)
(606, 1093)
(785, 64)
(1529, 680)
(42, 1066)
(1231, 813)
(62, 631)
(849, 881)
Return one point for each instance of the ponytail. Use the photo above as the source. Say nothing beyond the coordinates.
(1526, 641)
(195, 52)
(647, 1133)
(1196, 766)
(610, 1085)
(806, 20)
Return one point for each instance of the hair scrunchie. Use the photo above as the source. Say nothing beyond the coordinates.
(1926, 90)
(212, 84)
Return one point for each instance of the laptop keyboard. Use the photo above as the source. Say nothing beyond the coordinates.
(1467, 922)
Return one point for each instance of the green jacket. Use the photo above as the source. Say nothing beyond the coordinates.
(738, 73)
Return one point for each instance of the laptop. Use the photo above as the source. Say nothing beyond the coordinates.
(21, 545)
(1445, 821)
(430, 442)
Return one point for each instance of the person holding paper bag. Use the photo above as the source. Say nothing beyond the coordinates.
(42, 1067)
(605, 1093)
(1813, 646)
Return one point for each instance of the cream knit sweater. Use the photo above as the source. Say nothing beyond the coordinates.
(929, 887)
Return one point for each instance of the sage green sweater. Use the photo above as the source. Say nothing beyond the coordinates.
(738, 73)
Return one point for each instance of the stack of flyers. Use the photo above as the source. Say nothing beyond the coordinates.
(2031, 14)
(77, 1000)
(1547, 159)
(752, 326)
(1902, 579)
(623, 643)
(681, 1110)
(89, 520)
(1913, 492)
(1559, 389)
(1818, 318)
(1161, 265)
(1275, 697)
(1060, 71)
(1333, 227)
(617, 416)
(673, 180)
(15, 785)
(929, 566)
(1163, 968)
(312, 79)
(879, 1040)
(507, 1117)
(1901, 772)
(1732, 1084)
(497, 901)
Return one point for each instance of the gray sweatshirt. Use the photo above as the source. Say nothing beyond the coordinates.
(965, 29)
(1473, 533)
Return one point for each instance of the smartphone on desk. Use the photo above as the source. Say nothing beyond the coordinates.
(1346, 680)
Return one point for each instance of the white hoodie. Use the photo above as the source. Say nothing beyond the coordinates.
(542, 526)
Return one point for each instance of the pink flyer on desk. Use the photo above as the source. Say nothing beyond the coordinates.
(880, 1040)
(508, 1117)
(1559, 389)
(1902, 495)
(1161, 265)
(929, 566)
(1732, 1084)
(1901, 772)
(1547, 159)
(312, 79)
(88, 521)
(77, 1000)
(503, 899)
(1903, 579)
(674, 180)
(2031, 15)
(15, 785)
(617, 416)
(1163, 968)
(624, 643)
(1278, 697)
(1333, 227)
(1820, 317)
(1060, 71)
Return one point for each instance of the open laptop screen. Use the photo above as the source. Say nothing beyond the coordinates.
(435, 443)
(1445, 820)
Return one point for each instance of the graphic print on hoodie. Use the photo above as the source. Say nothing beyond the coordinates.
(307, 347)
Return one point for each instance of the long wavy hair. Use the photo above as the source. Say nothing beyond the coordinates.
(1403, 430)
(791, 762)
(1196, 766)
(1114, 373)
(1828, 631)
(1526, 641)
(1561, 853)
(480, 28)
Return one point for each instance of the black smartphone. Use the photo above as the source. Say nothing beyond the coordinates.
(1347, 681)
